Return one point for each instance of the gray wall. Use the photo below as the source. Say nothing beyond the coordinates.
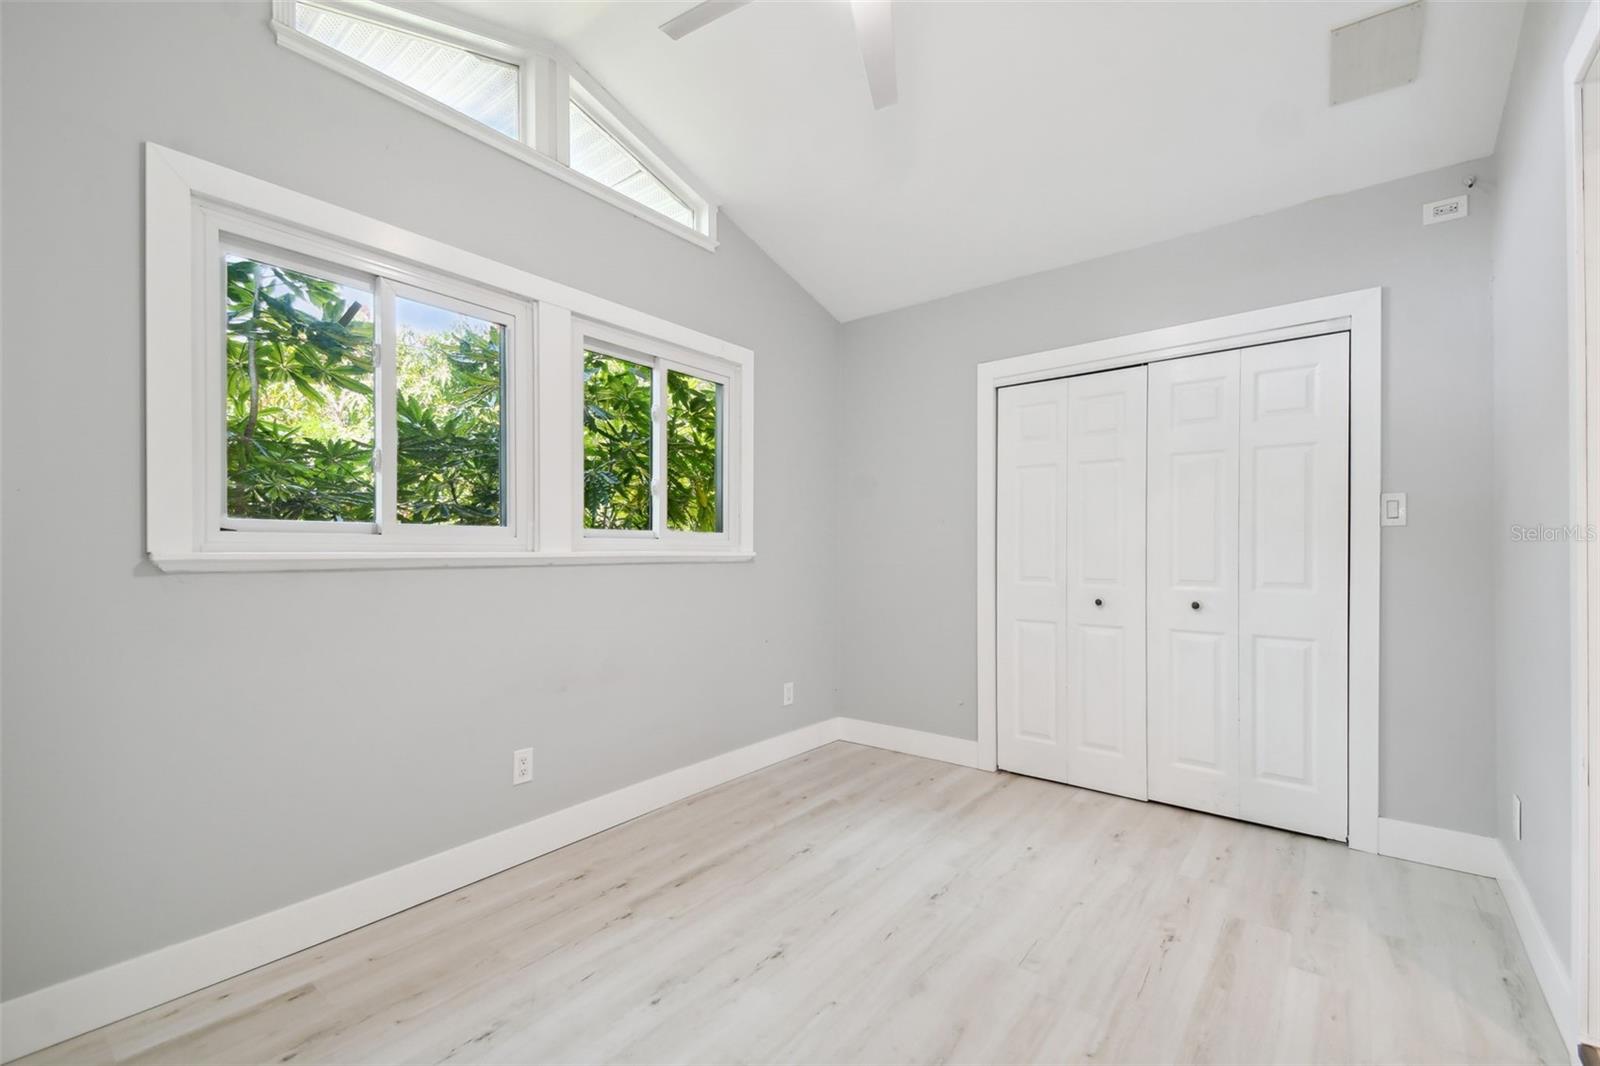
(174, 759)
(908, 631)
(1533, 683)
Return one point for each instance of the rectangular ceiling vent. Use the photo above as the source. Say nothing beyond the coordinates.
(1379, 52)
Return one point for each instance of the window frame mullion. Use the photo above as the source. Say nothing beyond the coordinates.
(658, 448)
(383, 404)
(557, 115)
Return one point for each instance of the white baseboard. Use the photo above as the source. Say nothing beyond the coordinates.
(1549, 964)
(909, 741)
(77, 1005)
(1487, 857)
(1448, 848)
(62, 1011)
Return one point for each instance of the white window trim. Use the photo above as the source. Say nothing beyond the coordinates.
(547, 77)
(185, 195)
(662, 358)
(223, 231)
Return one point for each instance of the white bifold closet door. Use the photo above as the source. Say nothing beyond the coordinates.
(1194, 582)
(1070, 580)
(1248, 579)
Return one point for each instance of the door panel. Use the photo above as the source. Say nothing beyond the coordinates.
(1294, 600)
(1285, 682)
(1194, 551)
(1030, 579)
(1101, 656)
(1105, 608)
(1038, 683)
(1201, 667)
(1284, 479)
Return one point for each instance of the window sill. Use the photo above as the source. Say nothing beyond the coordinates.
(304, 45)
(214, 562)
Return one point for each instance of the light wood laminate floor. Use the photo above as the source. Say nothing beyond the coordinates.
(854, 905)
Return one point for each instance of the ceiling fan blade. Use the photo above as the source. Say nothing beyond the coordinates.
(698, 15)
(875, 32)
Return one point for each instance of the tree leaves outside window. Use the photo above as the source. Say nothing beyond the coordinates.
(618, 443)
(448, 417)
(299, 396)
(300, 414)
(617, 396)
(694, 472)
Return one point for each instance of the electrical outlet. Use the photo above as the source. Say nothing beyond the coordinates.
(1516, 816)
(522, 766)
(1445, 210)
(788, 693)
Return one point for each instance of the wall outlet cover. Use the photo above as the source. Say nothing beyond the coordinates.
(1447, 210)
(522, 766)
(788, 693)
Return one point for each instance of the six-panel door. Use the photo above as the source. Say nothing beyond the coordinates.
(1225, 689)
(1070, 594)
(1194, 582)
(1105, 687)
(1294, 487)
(1031, 579)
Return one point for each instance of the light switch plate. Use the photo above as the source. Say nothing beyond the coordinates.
(1392, 509)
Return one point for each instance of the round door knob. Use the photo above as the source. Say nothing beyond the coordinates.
(1195, 606)
(1099, 603)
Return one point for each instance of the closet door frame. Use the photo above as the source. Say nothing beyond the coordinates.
(1358, 313)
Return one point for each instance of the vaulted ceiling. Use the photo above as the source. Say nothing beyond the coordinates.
(1027, 135)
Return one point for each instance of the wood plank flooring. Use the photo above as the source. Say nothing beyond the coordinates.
(855, 905)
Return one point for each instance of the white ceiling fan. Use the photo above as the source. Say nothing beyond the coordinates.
(874, 30)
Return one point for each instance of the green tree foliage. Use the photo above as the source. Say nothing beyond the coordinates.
(448, 425)
(301, 426)
(617, 447)
(299, 396)
(616, 443)
(693, 496)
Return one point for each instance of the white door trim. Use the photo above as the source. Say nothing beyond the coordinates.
(1583, 437)
(1361, 313)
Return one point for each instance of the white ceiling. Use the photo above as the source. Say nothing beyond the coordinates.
(1028, 135)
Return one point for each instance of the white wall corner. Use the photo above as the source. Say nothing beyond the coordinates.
(1446, 848)
(908, 741)
(1487, 857)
